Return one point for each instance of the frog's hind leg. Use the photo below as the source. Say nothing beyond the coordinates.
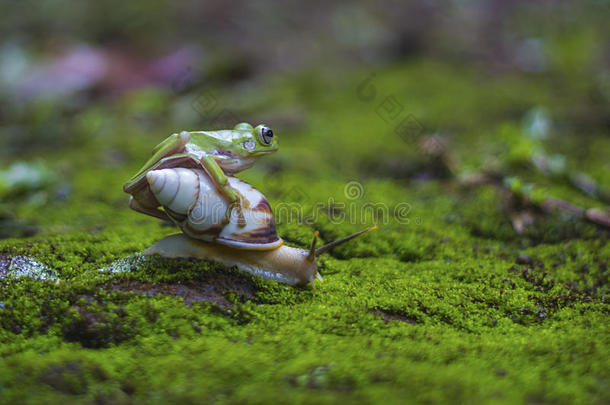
(155, 212)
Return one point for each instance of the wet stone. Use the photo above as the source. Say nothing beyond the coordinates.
(524, 259)
(23, 266)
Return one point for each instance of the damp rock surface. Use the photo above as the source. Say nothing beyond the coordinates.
(23, 266)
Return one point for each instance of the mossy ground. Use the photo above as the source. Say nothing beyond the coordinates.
(432, 307)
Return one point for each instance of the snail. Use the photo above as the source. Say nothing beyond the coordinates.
(191, 200)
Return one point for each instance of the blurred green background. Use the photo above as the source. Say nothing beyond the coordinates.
(351, 89)
(488, 121)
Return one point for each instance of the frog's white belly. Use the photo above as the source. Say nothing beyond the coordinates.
(232, 165)
(228, 162)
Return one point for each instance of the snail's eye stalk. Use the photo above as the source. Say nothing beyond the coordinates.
(331, 245)
(266, 135)
(312, 251)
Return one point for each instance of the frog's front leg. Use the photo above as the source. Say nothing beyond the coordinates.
(219, 176)
(174, 144)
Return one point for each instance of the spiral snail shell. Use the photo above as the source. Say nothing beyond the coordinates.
(192, 202)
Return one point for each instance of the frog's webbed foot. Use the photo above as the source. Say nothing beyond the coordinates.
(154, 212)
(236, 205)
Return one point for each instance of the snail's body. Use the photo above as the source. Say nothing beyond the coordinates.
(284, 264)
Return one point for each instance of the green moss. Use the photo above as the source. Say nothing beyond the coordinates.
(432, 307)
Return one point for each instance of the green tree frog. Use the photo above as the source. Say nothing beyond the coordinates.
(220, 153)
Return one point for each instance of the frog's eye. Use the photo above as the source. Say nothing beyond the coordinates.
(266, 135)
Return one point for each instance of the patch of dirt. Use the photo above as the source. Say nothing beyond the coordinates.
(212, 290)
(94, 325)
(388, 316)
(67, 378)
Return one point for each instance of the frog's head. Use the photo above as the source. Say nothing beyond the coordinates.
(254, 141)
